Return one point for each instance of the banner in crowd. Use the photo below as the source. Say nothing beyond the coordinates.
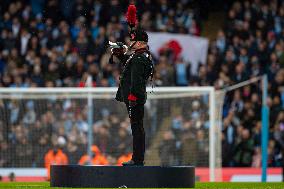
(192, 49)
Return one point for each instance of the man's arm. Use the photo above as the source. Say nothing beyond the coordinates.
(137, 79)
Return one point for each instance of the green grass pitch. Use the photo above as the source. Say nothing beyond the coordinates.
(221, 185)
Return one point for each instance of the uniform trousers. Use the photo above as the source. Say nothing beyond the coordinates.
(136, 114)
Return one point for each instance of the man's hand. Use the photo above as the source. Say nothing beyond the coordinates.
(132, 100)
(117, 48)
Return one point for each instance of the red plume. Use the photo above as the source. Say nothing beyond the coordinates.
(131, 15)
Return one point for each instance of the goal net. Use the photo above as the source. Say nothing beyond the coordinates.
(182, 126)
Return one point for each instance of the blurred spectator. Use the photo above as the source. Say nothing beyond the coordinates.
(23, 152)
(167, 149)
(244, 150)
(103, 139)
(30, 115)
(122, 142)
(73, 153)
(96, 159)
(12, 177)
(5, 154)
(202, 148)
(256, 160)
(279, 135)
(182, 73)
(54, 156)
(40, 143)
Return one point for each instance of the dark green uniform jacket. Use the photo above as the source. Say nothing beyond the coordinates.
(137, 69)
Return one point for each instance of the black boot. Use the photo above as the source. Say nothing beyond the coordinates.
(132, 163)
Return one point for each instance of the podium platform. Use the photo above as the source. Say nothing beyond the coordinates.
(77, 176)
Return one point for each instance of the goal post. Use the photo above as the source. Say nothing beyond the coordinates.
(212, 138)
(183, 124)
(262, 84)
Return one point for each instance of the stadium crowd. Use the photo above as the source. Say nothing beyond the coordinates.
(58, 43)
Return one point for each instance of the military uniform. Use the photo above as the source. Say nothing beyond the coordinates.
(137, 67)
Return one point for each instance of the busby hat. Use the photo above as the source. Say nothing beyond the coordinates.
(136, 32)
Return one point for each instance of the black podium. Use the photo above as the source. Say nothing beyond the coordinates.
(77, 176)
